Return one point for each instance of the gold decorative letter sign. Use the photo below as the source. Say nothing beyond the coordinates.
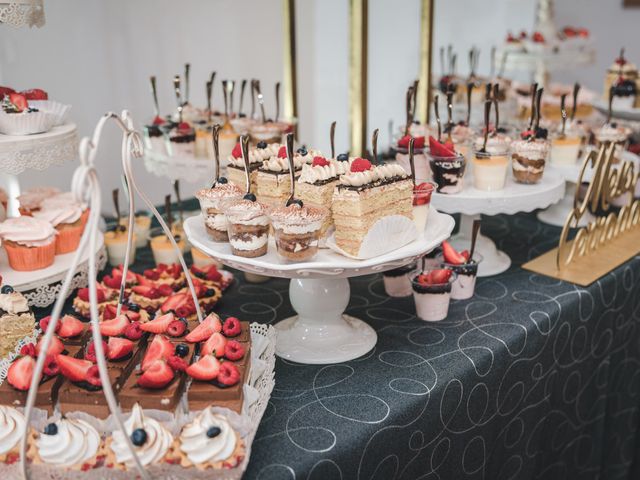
(607, 241)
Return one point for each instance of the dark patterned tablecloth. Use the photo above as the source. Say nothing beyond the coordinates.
(532, 378)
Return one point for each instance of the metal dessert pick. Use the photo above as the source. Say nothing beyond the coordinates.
(538, 111)
(187, 67)
(244, 146)
(563, 112)
(260, 101)
(609, 107)
(332, 138)
(154, 92)
(469, 90)
(443, 70)
(436, 101)
(216, 153)
(176, 189)
(243, 85)
(292, 175)
(474, 237)
(408, 109)
(534, 89)
(231, 85)
(576, 89)
(412, 162)
(176, 88)
(492, 70)
(487, 113)
(374, 145)
(253, 98)
(414, 99)
(277, 101)
(449, 113)
(496, 92)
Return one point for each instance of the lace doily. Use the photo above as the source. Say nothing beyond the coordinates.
(6, 361)
(22, 12)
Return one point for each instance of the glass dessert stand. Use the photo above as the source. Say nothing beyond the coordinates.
(470, 203)
(557, 213)
(186, 167)
(319, 291)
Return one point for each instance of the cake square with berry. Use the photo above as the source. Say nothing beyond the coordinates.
(235, 168)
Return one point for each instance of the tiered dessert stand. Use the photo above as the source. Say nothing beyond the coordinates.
(19, 153)
(319, 291)
(188, 168)
(470, 203)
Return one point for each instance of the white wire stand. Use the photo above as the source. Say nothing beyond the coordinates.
(470, 203)
(319, 291)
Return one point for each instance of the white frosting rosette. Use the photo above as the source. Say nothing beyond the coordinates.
(75, 442)
(198, 443)
(56, 215)
(12, 424)
(27, 231)
(13, 303)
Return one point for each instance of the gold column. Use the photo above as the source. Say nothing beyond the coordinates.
(358, 19)
(426, 47)
(289, 45)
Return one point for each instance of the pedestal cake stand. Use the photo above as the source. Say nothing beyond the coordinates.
(514, 198)
(319, 291)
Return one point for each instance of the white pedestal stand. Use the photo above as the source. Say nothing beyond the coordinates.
(319, 291)
(514, 198)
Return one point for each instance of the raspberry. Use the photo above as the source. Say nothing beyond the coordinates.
(282, 153)
(133, 331)
(28, 350)
(320, 162)
(176, 328)
(233, 350)
(360, 165)
(177, 363)
(237, 151)
(228, 374)
(231, 327)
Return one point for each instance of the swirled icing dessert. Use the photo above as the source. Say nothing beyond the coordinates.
(71, 443)
(248, 226)
(211, 200)
(151, 441)
(297, 230)
(29, 242)
(12, 424)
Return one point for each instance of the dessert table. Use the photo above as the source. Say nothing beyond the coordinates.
(531, 378)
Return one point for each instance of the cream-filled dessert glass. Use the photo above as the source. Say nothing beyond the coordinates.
(615, 133)
(490, 166)
(465, 283)
(528, 159)
(432, 294)
(397, 282)
(421, 201)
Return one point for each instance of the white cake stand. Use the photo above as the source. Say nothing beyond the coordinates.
(187, 167)
(632, 114)
(514, 198)
(319, 291)
(42, 287)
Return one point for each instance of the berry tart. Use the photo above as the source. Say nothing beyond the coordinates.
(212, 277)
(106, 296)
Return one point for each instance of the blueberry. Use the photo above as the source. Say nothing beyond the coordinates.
(133, 307)
(139, 437)
(614, 125)
(7, 289)
(210, 292)
(182, 350)
(223, 180)
(250, 196)
(262, 145)
(213, 432)
(51, 429)
(302, 151)
(343, 157)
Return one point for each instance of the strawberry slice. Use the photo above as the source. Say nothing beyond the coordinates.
(215, 344)
(451, 255)
(158, 324)
(143, 281)
(213, 274)
(115, 327)
(208, 327)
(146, 291)
(44, 323)
(110, 312)
(229, 374)
(438, 149)
(112, 281)
(19, 101)
(20, 373)
(418, 142)
(423, 279)
(206, 368)
(131, 277)
(90, 352)
(465, 254)
(159, 349)
(133, 331)
(157, 375)
(70, 327)
(93, 376)
(237, 151)
(119, 348)
(438, 277)
(75, 369)
(55, 346)
(164, 290)
(51, 367)
(6, 91)
(35, 94)
(174, 302)
(83, 294)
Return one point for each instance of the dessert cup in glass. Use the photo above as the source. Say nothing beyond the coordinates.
(115, 239)
(565, 148)
(211, 201)
(202, 260)
(161, 247)
(154, 139)
(528, 159)
(420, 159)
(397, 282)
(268, 132)
(490, 169)
(465, 283)
(297, 231)
(462, 136)
(448, 172)
(181, 142)
(615, 133)
(141, 228)
(204, 140)
(432, 301)
(247, 227)
(421, 201)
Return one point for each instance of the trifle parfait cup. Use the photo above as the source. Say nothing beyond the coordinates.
(268, 132)
(528, 159)
(247, 226)
(397, 282)
(490, 165)
(565, 147)
(462, 137)
(420, 160)
(297, 230)
(211, 204)
(447, 166)
(615, 133)
(421, 200)
(466, 273)
(432, 293)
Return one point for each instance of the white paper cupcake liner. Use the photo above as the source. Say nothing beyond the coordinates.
(26, 123)
(60, 110)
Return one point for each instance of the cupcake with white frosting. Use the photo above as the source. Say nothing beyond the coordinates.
(31, 199)
(69, 443)
(30, 243)
(151, 442)
(12, 424)
(209, 441)
(67, 220)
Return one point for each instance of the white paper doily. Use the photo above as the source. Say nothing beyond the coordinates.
(18, 13)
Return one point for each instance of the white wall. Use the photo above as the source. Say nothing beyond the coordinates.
(98, 56)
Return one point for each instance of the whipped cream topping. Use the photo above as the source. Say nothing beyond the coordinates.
(297, 219)
(496, 144)
(13, 302)
(277, 164)
(217, 222)
(271, 128)
(211, 197)
(461, 133)
(63, 200)
(307, 157)
(32, 197)
(75, 443)
(56, 215)
(252, 244)
(533, 150)
(158, 440)
(609, 133)
(378, 173)
(27, 231)
(319, 173)
(241, 209)
(12, 424)
(256, 155)
(199, 448)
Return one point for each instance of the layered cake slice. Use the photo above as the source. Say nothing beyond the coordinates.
(366, 194)
(16, 319)
(235, 169)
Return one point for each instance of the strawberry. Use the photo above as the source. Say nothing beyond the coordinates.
(465, 254)
(35, 94)
(208, 327)
(282, 152)
(523, 34)
(526, 134)
(44, 323)
(51, 367)
(131, 315)
(157, 375)
(320, 162)
(133, 331)
(165, 290)
(90, 353)
(213, 275)
(440, 150)
(152, 274)
(215, 344)
(70, 327)
(184, 126)
(360, 165)
(28, 349)
(110, 312)
(423, 279)
(19, 101)
(74, 369)
(583, 32)
(119, 348)
(451, 255)
(229, 374)
(6, 91)
(83, 294)
(162, 267)
(92, 376)
(174, 270)
(176, 363)
(55, 346)
(237, 151)
(115, 327)
(20, 373)
(231, 327)
(422, 194)
(112, 281)
(176, 328)
(233, 350)
(117, 271)
(206, 368)
(143, 281)
(146, 291)
(160, 348)
(537, 37)
(158, 324)
(418, 142)
(175, 301)
(158, 120)
(438, 277)
(510, 38)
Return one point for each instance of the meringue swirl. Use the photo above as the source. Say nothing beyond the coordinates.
(318, 173)
(158, 440)
(12, 425)
(13, 302)
(199, 448)
(28, 231)
(33, 197)
(75, 443)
